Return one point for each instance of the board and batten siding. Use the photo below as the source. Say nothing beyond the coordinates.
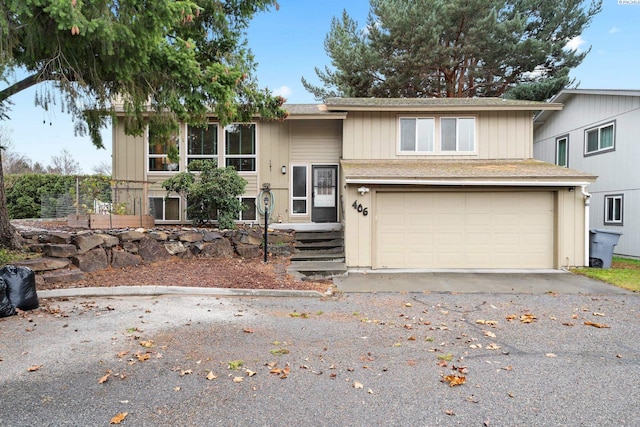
(617, 170)
(316, 141)
(499, 135)
(273, 153)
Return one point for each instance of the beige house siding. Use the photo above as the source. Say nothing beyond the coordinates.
(273, 152)
(499, 135)
(570, 222)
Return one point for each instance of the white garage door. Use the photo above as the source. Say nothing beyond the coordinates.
(464, 230)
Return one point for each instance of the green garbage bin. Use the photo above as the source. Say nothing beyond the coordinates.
(601, 243)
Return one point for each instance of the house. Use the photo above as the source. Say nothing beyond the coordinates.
(415, 183)
(597, 132)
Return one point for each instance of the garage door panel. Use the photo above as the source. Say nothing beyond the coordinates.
(464, 230)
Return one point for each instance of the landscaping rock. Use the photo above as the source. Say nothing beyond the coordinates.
(86, 242)
(248, 251)
(217, 249)
(160, 236)
(190, 237)
(188, 254)
(210, 236)
(152, 251)
(43, 264)
(59, 251)
(109, 241)
(93, 260)
(120, 259)
(62, 276)
(58, 238)
(280, 238)
(175, 248)
(131, 236)
(130, 247)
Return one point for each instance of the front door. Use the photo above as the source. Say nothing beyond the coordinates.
(324, 204)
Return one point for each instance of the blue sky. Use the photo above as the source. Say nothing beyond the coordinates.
(289, 44)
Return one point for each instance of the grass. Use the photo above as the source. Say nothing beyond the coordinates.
(624, 272)
(9, 256)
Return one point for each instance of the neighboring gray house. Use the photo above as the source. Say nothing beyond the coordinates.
(598, 132)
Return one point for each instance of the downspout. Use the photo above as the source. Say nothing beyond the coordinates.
(587, 202)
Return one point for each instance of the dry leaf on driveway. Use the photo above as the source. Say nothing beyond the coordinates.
(34, 368)
(119, 418)
(596, 325)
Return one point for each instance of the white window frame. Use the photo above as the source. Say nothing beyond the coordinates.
(418, 134)
(564, 138)
(599, 129)
(255, 210)
(164, 208)
(617, 214)
(253, 156)
(305, 198)
(437, 138)
(215, 156)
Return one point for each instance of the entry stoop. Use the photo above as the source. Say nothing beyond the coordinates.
(319, 254)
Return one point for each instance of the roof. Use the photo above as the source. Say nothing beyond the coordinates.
(526, 172)
(436, 104)
(308, 111)
(565, 94)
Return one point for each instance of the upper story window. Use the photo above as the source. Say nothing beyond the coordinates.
(562, 151)
(600, 139)
(163, 152)
(446, 135)
(240, 147)
(202, 143)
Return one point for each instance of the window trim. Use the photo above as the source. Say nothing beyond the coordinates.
(437, 136)
(306, 190)
(609, 198)
(162, 156)
(599, 128)
(164, 208)
(566, 150)
(253, 156)
(215, 156)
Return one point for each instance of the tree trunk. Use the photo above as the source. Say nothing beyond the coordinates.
(9, 237)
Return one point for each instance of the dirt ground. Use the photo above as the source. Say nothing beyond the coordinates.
(197, 272)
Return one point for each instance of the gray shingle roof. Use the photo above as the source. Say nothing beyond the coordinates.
(393, 104)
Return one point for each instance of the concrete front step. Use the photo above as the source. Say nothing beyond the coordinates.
(320, 244)
(317, 269)
(318, 235)
(337, 256)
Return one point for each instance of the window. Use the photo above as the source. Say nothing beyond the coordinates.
(417, 134)
(202, 143)
(600, 139)
(160, 149)
(240, 147)
(299, 190)
(562, 147)
(165, 209)
(455, 135)
(249, 214)
(613, 206)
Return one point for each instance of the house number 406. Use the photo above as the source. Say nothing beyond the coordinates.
(358, 206)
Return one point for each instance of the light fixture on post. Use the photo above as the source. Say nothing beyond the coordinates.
(363, 190)
(283, 169)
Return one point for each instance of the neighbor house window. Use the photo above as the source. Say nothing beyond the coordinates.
(417, 134)
(165, 209)
(240, 147)
(562, 147)
(601, 138)
(202, 143)
(299, 190)
(613, 207)
(457, 134)
(428, 135)
(163, 151)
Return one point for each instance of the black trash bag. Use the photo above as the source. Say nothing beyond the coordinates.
(6, 309)
(21, 286)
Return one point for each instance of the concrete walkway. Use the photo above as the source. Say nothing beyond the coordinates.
(475, 282)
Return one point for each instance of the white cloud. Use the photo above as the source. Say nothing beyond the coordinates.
(575, 43)
(283, 91)
(614, 30)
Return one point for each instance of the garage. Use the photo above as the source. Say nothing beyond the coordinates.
(464, 230)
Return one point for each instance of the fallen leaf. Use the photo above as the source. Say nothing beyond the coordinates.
(489, 334)
(369, 391)
(448, 357)
(596, 325)
(142, 356)
(178, 388)
(408, 304)
(238, 379)
(568, 324)
(247, 330)
(508, 368)
(550, 355)
(441, 363)
(249, 372)
(511, 317)
(211, 376)
(34, 368)
(186, 372)
(105, 377)
(279, 351)
(595, 313)
(493, 346)
(357, 384)
(122, 354)
(147, 344)
(528, 318)
(119, 418)
(235, 364)
(449, 412)
(455, 380)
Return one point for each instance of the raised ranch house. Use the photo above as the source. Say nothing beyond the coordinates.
(414, 183)
(597, 132)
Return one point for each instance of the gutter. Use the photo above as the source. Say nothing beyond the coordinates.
(587, 202)
(457, 182)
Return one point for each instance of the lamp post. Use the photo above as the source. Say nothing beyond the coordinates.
(266, 226)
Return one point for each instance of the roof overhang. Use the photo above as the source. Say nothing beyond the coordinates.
(478, 173)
